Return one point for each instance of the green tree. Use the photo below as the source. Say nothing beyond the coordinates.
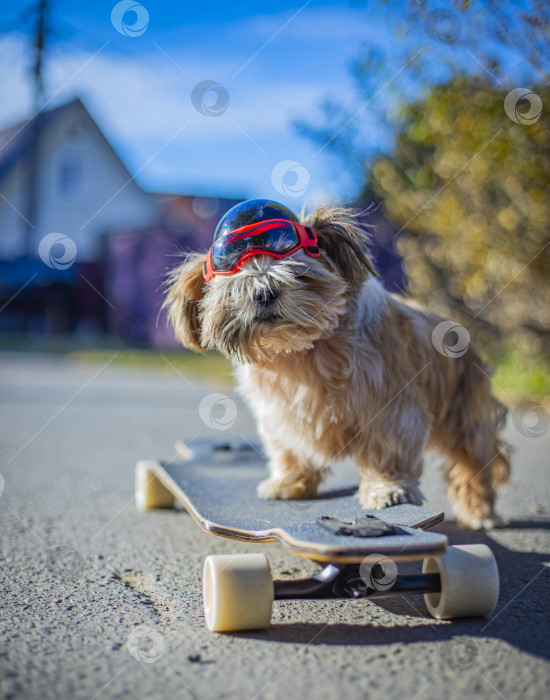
(464, 182)
(468, 190)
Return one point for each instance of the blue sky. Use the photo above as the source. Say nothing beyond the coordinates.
(275, 63)
(276, 60)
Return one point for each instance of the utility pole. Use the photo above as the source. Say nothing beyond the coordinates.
(39, 41)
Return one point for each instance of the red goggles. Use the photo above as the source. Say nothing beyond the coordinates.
(278, 238)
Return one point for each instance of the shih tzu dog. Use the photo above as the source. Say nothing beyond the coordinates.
(332, 365)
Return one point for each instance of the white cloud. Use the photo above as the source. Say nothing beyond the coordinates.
(146, 100)
(141, 101)
(326, 26)
(146, 96)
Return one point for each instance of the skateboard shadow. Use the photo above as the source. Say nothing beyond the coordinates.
(521, 618)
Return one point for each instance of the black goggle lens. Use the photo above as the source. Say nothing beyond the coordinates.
(226, 252)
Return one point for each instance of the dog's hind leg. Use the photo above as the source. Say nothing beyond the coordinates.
(472, 476)
(478, 460)
(471, 492)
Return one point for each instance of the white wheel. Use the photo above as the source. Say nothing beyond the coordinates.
(237, 592)
(150, 492)
(469, 582)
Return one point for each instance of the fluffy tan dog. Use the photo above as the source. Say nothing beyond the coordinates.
(332, 365)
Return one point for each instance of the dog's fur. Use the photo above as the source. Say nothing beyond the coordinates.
(332, 365)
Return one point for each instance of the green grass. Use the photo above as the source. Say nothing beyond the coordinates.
(519, 378)
(209, 366)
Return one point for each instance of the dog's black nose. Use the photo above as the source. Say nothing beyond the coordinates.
(265, 296)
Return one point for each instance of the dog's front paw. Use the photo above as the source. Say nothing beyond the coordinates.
(375, 495)
(269, 489)
(288, 488)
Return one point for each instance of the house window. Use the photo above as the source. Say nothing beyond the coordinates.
(75, 129)
(70, 176)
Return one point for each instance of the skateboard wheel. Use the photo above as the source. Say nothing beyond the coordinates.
(150, 491)
(469, 582)
(237, 592)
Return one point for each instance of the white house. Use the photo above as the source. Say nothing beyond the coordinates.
(74, 184)
(82, 188)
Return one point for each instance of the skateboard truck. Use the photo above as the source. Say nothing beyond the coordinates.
(346, 581)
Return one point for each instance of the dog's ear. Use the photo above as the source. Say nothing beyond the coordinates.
(345, 239)
(185, 289)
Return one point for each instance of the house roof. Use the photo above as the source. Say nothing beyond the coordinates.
(182, 212)
(16, 140)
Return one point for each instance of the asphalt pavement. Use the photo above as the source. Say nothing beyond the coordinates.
(100, 601)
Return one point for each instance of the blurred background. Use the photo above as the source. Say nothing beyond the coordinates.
(127, 130)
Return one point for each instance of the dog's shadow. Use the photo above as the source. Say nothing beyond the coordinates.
(520, 618)
(337, 492)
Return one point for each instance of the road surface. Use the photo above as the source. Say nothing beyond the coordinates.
(99, 601)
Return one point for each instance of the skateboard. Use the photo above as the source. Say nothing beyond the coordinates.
(358, 551)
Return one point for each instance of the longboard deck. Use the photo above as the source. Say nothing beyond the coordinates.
(217, 486)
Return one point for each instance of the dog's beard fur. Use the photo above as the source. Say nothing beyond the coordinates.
(271, 307)
(332, 365)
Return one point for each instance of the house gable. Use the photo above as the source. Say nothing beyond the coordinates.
(83, 189)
